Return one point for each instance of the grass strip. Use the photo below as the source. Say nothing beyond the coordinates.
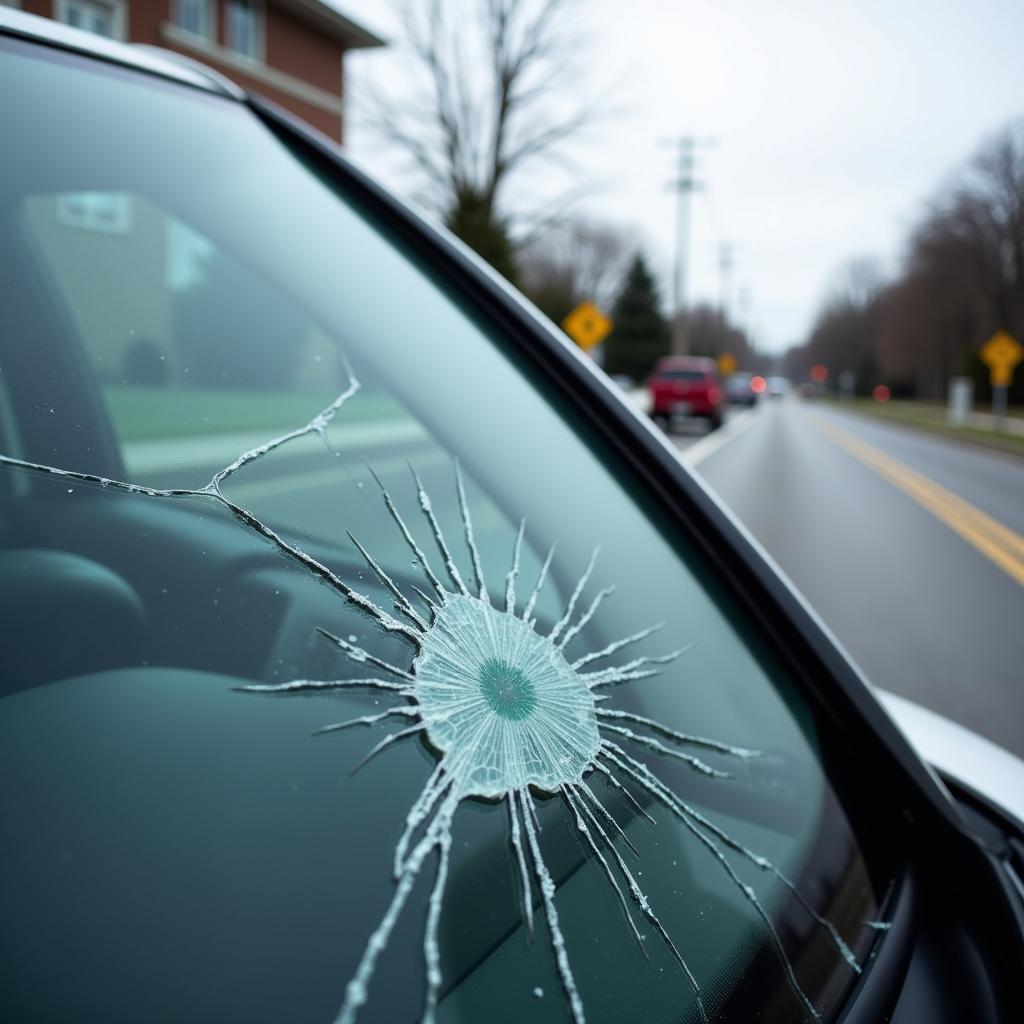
(932, 418)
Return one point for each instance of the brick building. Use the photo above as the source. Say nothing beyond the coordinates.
(290, 51)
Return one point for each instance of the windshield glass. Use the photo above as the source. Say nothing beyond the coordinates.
(303, 523)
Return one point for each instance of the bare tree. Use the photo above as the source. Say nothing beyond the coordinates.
(962, 279)
(964, 273)
(487, 100)
(980, 226)
(844, 332)
(928, 316)
(855, 284)
(711, 333)
(575, 261)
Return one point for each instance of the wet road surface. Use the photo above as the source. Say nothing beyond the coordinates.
(910, 547)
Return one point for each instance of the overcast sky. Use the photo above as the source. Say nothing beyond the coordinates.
(835, 122)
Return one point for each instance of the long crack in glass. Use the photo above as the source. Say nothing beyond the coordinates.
(508, 714)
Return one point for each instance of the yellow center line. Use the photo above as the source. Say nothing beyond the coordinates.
(995, 541)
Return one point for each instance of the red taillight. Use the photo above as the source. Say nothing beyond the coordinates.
(714, 395)
(758, 384)
(880, 393)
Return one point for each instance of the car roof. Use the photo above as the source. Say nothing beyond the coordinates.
(150, 59)
(701, 363)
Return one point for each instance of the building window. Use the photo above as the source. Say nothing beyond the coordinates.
(107, 213)
(244, 28)
(192, 16)
(104, 17)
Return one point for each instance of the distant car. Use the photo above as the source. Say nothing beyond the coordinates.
(744, 388)
(686, 386)
(778, 387)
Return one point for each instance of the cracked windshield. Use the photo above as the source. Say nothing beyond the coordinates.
(349, 673)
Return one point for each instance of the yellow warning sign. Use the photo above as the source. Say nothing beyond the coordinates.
(727, 364)
(587, 325)
(1001, 353)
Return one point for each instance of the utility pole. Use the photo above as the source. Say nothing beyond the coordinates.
(726, 262)
(744, 301)
(684, 185)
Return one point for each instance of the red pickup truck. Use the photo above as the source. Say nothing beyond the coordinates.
(686, 386)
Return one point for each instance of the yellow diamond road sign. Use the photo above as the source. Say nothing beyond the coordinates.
(726, 364)
(1001, 353)
(587, 325)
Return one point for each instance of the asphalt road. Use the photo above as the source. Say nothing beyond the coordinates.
(911, 548)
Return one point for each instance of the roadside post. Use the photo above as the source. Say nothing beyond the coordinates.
(961, 394)
(587, 326)
(1001, 353)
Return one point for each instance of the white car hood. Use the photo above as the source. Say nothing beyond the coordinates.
(960, 754)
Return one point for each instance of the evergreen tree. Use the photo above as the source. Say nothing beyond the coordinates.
(473, 219)
(640, 335)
